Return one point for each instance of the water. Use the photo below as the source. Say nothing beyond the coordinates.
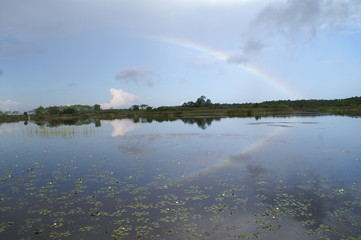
(231, 178)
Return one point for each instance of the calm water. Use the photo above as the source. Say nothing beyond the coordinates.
(235, 178)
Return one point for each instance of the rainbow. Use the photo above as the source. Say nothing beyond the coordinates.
(248, 68)
(223, 56)
(228, 161)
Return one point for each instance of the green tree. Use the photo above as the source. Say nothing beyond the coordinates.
(39, 111)
(143, 106)
(201, 101)
(53, 110)
(68, 110)
(97, 107)
(135, 107)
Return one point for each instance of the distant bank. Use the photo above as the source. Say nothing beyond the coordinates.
(202, 107)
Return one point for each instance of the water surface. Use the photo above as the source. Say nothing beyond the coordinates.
(232, 178)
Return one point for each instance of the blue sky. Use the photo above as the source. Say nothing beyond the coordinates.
(123, 52)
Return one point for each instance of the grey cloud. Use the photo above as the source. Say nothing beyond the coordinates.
(307, 17)
(135, 75)
(289, 17)
(295, 21)
(238, 58)
(71, 85)
(14, 49)
(38, 19)
(253, 46)
(250, 48)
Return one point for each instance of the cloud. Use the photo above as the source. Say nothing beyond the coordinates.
(250, 49)
(307, 17)
(204, 61)
(14, 49)
(135, 75)
(120, 99)
(71, 85)
(253, 46)
(238, 57)
(58, 18)
(8, 105)
(1, 73)
(120, 127)
(9, 128)
(295, 21)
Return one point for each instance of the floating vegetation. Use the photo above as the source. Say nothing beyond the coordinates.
(60, 131)
(92, 190)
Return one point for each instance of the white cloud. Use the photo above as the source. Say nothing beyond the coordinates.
(135, 75)
(120, 127)
(9, 127)
(120, 99)
(8, 105)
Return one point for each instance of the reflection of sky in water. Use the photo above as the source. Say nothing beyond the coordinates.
(274, 176)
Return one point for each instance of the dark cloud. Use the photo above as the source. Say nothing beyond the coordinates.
(241, 157)
(14, 49)
(289, 17)
(306, 17)
(238, 58)
(71, 85)
(253, 46)
(250, 48)
(295, 21)
(135, 75)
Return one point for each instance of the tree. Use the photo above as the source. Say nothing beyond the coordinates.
(97, 107)
(135, 107)
(143, 106)
(53, 110)
(188, 104)
(68, 110)
(201, 101)
(39, 111)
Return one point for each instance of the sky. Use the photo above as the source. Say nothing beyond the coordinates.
(118, 53)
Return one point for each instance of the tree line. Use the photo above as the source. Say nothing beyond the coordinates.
(203, 103)
(73, 109)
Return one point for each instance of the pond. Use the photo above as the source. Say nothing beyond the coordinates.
(231, 178)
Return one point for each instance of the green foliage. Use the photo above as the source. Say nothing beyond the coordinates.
(202, 101)
(134, 108)
(97, 107)
(55, 110)
(40, 110)
(314, 103)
